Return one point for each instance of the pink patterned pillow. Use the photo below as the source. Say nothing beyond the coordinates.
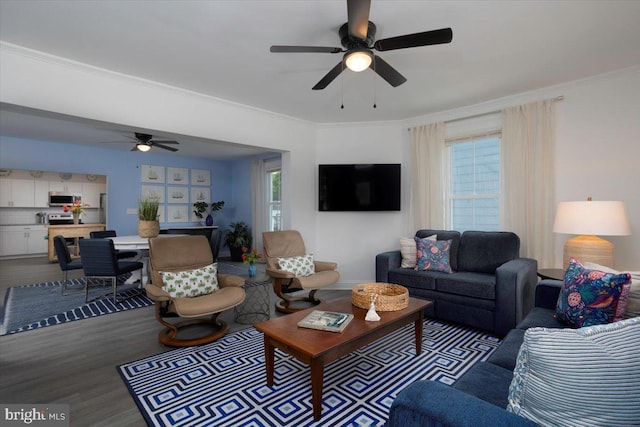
(433, 255)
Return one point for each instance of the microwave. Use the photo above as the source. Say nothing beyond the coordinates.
(57, 198)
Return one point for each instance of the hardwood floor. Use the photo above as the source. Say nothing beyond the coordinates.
(75, 363)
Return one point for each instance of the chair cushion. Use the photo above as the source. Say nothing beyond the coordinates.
(301, 266)
(316, 281)
(591, 297)
(585, 377)
(433, 255)
(220, 300)
(191, 283)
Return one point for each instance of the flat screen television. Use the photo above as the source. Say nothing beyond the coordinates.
(359, 187)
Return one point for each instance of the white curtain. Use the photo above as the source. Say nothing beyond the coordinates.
(528, 139)
(427, 198)
(258, 194)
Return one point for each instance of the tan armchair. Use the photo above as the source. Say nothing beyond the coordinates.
(182, 253)
(287, 244)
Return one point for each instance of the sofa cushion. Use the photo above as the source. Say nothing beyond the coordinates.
(588, 376)
(433, 255)
(476, 380)
(541, 317)
(505, 355)
(483, 251)
(591, 297)
(468, 284)
(408, 251)
(414, 279)
(454, 236)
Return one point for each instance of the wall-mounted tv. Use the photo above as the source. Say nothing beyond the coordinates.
(359, 187)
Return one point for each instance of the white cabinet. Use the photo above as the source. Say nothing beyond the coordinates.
(17, 193)
(91, 194)
(66, 187)
(21, 240)
(41, 194)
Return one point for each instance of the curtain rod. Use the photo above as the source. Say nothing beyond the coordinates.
(557, 98)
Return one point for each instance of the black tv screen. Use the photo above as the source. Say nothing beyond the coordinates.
(359, 187)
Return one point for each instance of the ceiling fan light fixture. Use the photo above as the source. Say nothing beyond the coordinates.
(358, 59)
(143, 147)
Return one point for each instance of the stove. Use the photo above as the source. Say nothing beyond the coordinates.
(65, 218)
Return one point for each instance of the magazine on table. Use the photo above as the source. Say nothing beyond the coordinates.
(326, 321)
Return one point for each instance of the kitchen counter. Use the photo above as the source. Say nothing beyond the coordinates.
(74, 231)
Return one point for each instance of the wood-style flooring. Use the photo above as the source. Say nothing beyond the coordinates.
(75, 363)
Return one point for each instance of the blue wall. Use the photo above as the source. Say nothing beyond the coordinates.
(122, 169)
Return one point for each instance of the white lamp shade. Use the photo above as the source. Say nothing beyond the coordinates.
(143, 147)
(602, 218)
(358, 60)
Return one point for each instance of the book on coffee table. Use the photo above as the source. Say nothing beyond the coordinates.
(326, 321)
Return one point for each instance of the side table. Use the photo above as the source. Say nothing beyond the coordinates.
(257, 303)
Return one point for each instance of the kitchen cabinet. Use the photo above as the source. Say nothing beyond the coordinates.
(41, 194)
(23, 240)
(66, 187)
(91, 194)
(17, 193)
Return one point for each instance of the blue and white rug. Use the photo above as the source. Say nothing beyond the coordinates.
(224, 383)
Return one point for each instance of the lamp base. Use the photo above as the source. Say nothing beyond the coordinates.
(588, 249)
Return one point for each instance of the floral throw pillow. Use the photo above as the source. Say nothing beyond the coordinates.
(301, 266)
(433, 255)
(191, 283)
(591, 297)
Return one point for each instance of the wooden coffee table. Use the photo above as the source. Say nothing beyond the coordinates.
(319, 348)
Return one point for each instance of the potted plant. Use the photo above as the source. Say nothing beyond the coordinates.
(200, 208)
(148, 224)
(215, 207)
(237, 237)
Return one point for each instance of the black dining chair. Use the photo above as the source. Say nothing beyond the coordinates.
(64, 259)
(100, 261)
(112, 233)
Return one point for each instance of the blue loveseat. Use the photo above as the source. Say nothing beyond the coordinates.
(491, 287)
(479, 397)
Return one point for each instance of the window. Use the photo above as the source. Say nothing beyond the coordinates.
(473, 199)
(274, 202)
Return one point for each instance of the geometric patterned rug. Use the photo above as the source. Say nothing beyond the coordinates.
(224, 383)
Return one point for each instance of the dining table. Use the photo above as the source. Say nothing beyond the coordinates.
(141, 244)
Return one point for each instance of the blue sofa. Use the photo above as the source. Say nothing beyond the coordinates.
(491, 287)
(479, 397)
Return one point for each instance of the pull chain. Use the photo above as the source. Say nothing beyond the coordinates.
(374, 83)
(342, 87)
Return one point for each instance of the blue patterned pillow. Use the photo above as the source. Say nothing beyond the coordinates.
(580, 377)
(433, 255)
(591, 297)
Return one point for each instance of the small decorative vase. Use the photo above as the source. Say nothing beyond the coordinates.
(252, 270)
(209, 220)
(76, 218)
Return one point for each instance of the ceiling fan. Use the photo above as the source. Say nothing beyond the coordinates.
(144, 142)
(357, 37)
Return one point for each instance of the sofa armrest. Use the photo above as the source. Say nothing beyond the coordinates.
(547, 292)
(515, 283)
(432, 404)
(387, 261)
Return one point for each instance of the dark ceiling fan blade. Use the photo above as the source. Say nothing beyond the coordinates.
(135, 148)
(441, 36)
(156, 141)
(165, 147)
(329, 77)
(358, 17)
(304, 49)
(386, 71)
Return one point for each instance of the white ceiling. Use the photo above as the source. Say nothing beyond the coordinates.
(221, 48)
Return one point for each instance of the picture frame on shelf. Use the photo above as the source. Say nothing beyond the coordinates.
(152, 174)
(177, 194)
(201, 177)
(178, 176)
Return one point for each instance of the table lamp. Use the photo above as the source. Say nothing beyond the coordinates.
(588, 219)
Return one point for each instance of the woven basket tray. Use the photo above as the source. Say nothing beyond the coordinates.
(388, 297)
